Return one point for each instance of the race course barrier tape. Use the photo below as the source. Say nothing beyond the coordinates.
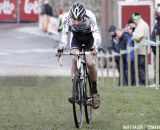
(128, 72)
(129, 49)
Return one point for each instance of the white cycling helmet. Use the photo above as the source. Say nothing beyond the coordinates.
(77, 10)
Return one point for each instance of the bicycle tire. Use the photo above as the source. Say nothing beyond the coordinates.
(88, 98)
(77, 95)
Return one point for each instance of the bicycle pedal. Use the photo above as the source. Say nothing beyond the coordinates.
(70, 100)
(88, 102)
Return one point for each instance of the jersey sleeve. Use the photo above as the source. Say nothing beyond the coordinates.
(94, 29)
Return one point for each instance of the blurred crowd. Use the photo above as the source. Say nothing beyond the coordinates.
(46, 13)
(135, 33)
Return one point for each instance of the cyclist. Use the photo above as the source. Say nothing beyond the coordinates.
(84, 30)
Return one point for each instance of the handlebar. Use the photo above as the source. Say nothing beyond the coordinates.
(69, 53)
(76, 53)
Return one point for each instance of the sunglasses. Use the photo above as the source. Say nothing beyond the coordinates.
(77, 19)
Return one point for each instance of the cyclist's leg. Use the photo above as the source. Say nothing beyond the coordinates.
(90, 61)
(91, 65)
(74, 49)
(74, 62)
(75, 46)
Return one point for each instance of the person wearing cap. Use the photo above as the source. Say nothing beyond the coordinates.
(140, 34)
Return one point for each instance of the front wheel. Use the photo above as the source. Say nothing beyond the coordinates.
(88, 98)
(77, 97)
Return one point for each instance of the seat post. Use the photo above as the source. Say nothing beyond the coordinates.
(83, 47)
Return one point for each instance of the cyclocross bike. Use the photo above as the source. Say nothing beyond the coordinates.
(81, 90)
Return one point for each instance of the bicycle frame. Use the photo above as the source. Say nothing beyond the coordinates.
(86, 99)
(81, 86)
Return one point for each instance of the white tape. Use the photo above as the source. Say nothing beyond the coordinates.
(122, 52)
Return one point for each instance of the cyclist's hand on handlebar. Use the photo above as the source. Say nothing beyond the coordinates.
(59, 52)
(94, 51)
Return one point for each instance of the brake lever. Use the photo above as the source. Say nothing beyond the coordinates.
(60, 61)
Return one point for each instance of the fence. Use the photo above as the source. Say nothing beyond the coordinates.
(111, 56)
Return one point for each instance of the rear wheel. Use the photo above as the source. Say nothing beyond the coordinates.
(77, 95)
(88, 98)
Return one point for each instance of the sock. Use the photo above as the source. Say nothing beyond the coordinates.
(94, 87)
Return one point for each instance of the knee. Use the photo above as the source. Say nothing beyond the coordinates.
(74, 59)
(91, 66)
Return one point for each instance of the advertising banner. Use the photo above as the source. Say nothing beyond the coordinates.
(18, 10)
(8, 10)
(29, 10)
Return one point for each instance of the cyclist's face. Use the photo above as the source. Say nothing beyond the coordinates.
(77, 22)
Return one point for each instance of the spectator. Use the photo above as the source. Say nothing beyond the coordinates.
(113, 46)
(46, 11)
(130, 29)
(140, 34)
(123, 40)
(61, 20)
(46, 8)
(156, 31)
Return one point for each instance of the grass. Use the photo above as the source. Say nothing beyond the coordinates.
(40, 103)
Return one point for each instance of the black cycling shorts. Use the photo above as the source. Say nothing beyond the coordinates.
(82, 38)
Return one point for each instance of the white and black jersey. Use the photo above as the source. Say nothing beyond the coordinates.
(88, 26)
(88, 23)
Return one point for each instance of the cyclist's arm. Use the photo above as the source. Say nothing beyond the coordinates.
(95, 30)
(97, 38)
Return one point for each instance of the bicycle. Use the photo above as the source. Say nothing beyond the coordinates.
(81, 90)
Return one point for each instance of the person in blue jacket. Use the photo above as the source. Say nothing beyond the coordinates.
(123, 38)
(130, 29)
(114, 46)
